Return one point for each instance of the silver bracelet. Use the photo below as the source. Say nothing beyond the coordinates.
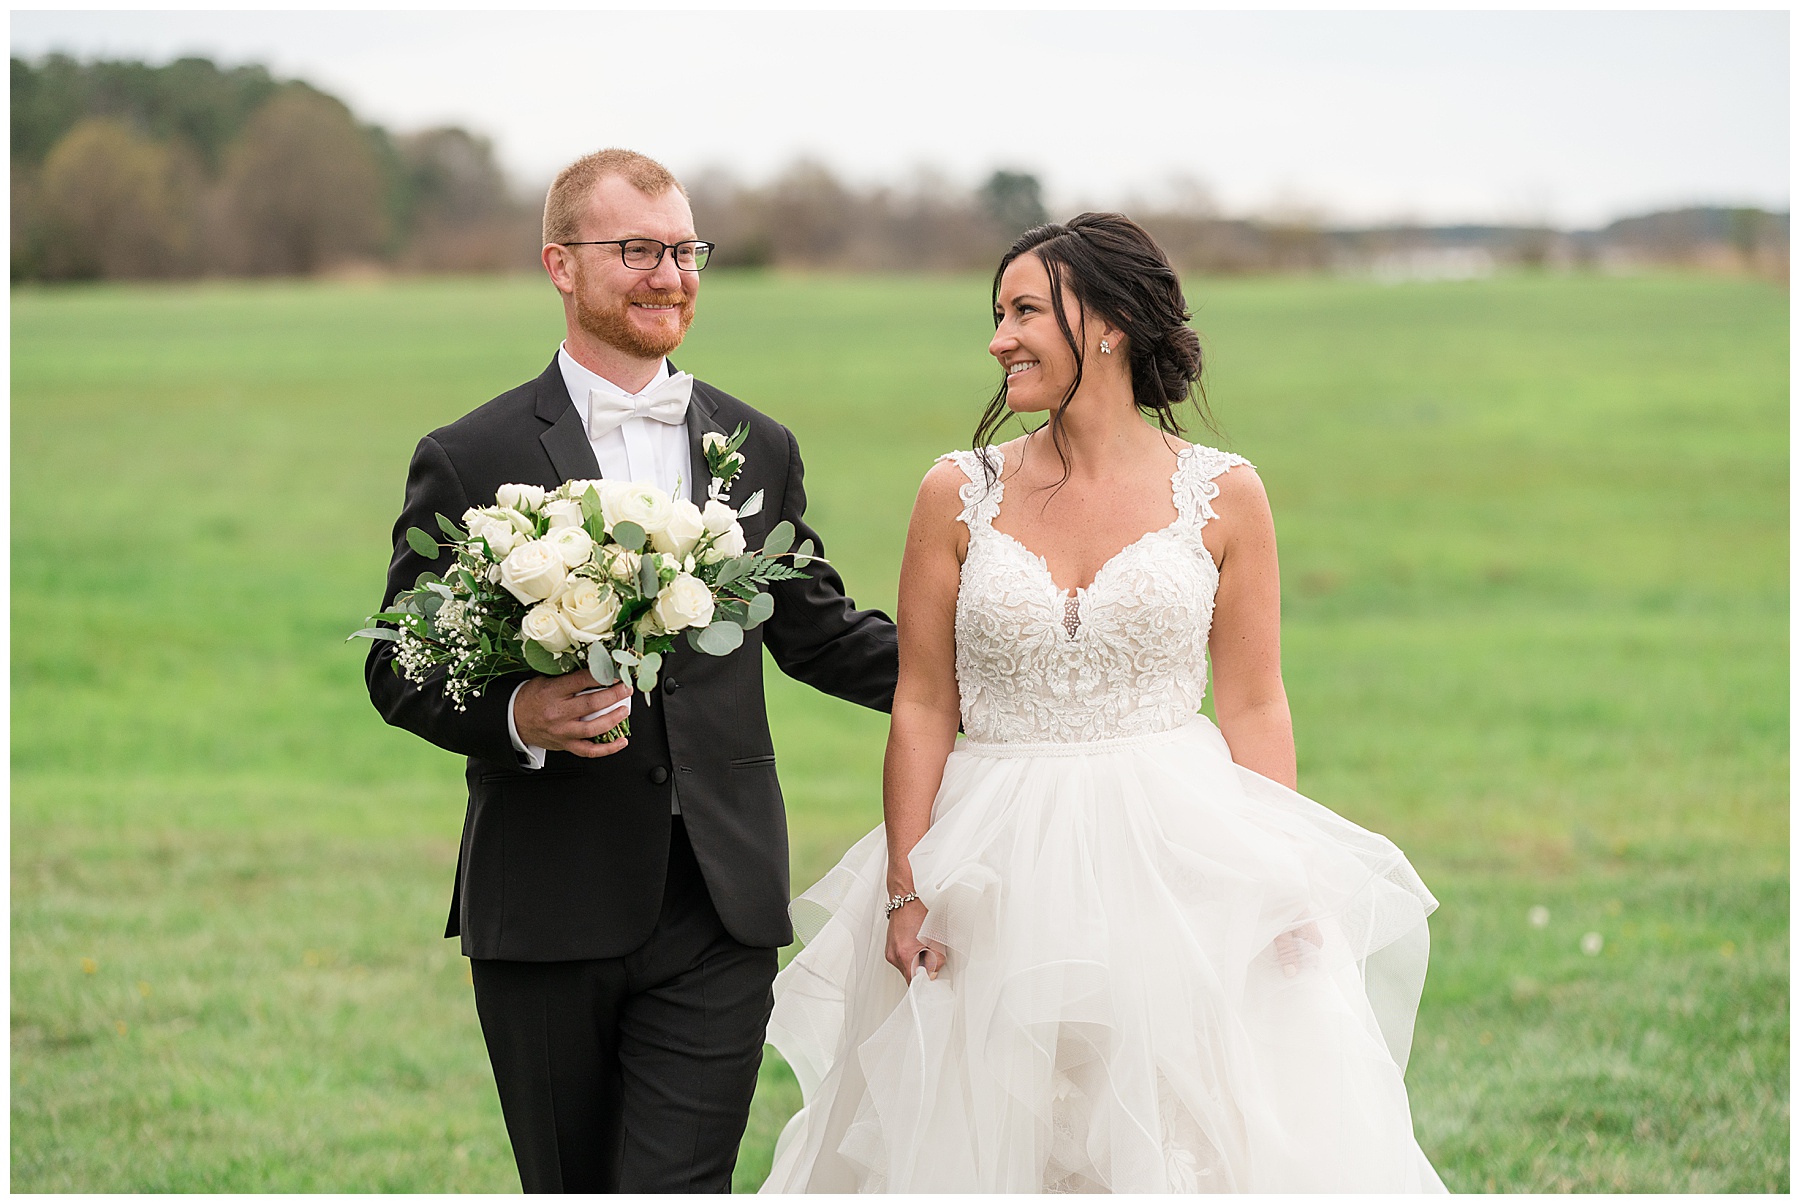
(898, 901)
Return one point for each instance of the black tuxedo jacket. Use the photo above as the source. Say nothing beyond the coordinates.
(567, 862)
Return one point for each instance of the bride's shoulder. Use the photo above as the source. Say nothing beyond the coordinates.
(950, 476)
(1220, 483)
(1210, 463)
(983, 465)
(962, 486)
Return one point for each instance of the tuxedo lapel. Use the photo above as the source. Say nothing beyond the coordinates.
(702, 417)
(566, 441)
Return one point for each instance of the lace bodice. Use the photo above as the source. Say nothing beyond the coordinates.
(1125, 656)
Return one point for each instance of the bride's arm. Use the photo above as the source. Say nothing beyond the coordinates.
(923, 729)
(1248, 695)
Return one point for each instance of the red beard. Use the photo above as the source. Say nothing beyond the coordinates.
(613, 325)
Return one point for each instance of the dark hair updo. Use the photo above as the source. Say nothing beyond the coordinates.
(1117, 273)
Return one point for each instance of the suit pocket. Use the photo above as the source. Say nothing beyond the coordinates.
(767, 759)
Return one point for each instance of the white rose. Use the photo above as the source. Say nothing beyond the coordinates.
(726, 546)
(684, 602)
(545, 624)
(496, 525)
(590, 609)
(573, 544)
(645, 505)
(681, 532)
(718, 517)
(575, 489)
(520, 497)
(624, 565)
(564, 512)
(533, 571)
(713, 441)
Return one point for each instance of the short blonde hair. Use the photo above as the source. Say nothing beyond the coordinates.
(567, 199)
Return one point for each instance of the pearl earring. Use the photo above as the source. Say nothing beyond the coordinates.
(1105, 347)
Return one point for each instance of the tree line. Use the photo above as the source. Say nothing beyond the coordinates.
(123, 170)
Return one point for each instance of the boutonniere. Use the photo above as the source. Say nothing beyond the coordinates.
(722, 459)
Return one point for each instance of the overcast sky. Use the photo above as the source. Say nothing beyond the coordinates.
(1575, 118)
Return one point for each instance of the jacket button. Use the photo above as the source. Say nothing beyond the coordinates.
(659, 775)
(671, 685)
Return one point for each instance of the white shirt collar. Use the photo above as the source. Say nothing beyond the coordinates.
(579, 379)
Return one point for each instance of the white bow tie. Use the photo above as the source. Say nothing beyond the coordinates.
(667, 402)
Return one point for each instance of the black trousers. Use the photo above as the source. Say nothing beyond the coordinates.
(632, 1073)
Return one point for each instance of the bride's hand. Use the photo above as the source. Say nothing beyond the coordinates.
(1292, 948)
(904, 948)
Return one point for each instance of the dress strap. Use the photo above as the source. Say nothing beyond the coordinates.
(1196, 481)
(981, 493)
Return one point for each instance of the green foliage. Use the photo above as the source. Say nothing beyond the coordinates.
(721, 637)
(1535, 602)
(1013, 201)
(600, 664)
(759, 610)
(541, 658)
(124, 170)
(628, 535)
(191, 101)
(780, 539)
(420, 541)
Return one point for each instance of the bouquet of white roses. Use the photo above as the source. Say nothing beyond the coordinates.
(601, 574)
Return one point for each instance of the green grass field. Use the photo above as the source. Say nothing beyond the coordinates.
(1534, 543)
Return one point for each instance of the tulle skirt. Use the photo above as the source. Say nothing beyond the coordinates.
(1164, 973)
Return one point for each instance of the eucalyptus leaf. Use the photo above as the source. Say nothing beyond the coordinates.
(629, 536)
(451, 529)
(761, 607)
(651, 661)
(803, 554)
(780, 539)
(649, 582)
(646, 676)
(373, 633)
(752, 505)
(720, 638)
(420, 541)
(600, 664)
(541, 658)
(426, 578)
(624, 656)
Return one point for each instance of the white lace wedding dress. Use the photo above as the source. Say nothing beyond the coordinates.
(1115, 1013)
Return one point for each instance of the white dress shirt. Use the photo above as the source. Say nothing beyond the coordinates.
(639, 449)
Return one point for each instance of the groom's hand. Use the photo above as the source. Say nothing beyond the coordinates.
(551, 713)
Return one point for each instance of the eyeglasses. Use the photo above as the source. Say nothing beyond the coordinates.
(645, 254)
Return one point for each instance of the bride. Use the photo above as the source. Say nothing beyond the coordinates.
(1100, 944)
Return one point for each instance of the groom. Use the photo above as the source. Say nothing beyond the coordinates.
(621, 904)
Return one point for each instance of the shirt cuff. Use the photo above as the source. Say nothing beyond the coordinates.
(530, 755)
